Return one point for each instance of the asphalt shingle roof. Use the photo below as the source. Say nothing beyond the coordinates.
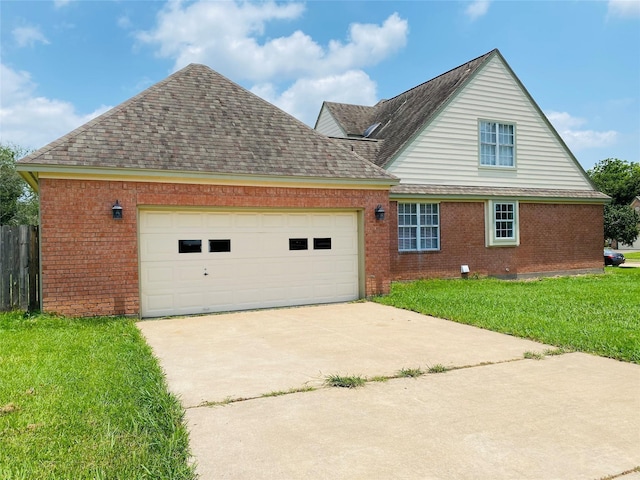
(403, 116)
(354, 119)
(196, 120)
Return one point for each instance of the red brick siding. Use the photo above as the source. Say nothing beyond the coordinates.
(90, 261)
(560, 237)
(553, 238)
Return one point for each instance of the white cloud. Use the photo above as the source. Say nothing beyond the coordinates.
(477, 9)
(220, 34)
(225, 36)
(124, 22)
(580, 139)
(28, 36)
(232, 38)
(623, 8)
(304, 98)
(32, 121)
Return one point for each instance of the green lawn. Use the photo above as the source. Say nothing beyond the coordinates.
(85, 399)
(632, 255)
(598, 314)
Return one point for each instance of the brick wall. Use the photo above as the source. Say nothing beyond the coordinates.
(553, 238)
(90, 261)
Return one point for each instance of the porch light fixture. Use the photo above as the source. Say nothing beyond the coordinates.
(379, 211)
(116, 210)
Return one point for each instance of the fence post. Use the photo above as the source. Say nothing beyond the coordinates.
(19, 268)
(34, 269)
(5, 268)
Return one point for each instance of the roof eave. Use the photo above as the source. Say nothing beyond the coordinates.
(32, 172)
(532, 195)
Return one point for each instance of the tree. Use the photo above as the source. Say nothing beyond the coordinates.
(621, 223)
(18, 203)
(617, 178)
(620, 180)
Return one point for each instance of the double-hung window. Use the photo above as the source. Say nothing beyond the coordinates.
(418, 227)
(505, 219)
(502, 225)
(497, 144)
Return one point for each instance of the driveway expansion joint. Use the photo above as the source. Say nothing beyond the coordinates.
(435, 369)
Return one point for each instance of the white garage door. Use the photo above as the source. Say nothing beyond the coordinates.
(197, 261)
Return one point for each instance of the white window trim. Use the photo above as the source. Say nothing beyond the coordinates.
(515, 141)
(417, 227)
(490, 223)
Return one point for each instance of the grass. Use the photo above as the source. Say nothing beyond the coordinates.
(85, 399)
(533, 355)
(342, 381)
(632, 255)
(279, 393)
(438, 368)
(597, 314)
(410, 373)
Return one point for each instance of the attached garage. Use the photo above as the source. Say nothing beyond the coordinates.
(198, 261)
(224, 202)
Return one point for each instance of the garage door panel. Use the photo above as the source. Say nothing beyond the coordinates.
(191, 221)
(345, 221)
(260, 270)
(298, 220)
(219, 221)
(274, 220)
(321, 221)
(156, 221)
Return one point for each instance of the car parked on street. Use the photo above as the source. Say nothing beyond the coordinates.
(612, 257)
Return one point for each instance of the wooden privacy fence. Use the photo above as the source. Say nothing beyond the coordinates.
(19, 268)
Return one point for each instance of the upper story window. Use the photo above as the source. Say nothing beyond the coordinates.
(418, 227)
(497, 144)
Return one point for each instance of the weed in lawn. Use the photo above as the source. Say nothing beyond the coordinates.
(8, 408)
(533, 355)
(279, 393)
(621, 474)
(341, 381)
(410, 373)
(550, 352)
(438, 368)
(221, 403)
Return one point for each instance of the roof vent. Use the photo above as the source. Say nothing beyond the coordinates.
(370, 129)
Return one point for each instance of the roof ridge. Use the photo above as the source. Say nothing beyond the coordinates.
(445, 85)
(439, 76)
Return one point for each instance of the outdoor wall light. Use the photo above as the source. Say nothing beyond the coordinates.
(116, 210)
(379, 211)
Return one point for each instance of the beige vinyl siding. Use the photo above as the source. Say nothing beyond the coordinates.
(328, 126)
(446, 152)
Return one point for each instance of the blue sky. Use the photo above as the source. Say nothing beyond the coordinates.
(65, 61)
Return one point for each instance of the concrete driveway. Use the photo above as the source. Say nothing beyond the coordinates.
(570, 416)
